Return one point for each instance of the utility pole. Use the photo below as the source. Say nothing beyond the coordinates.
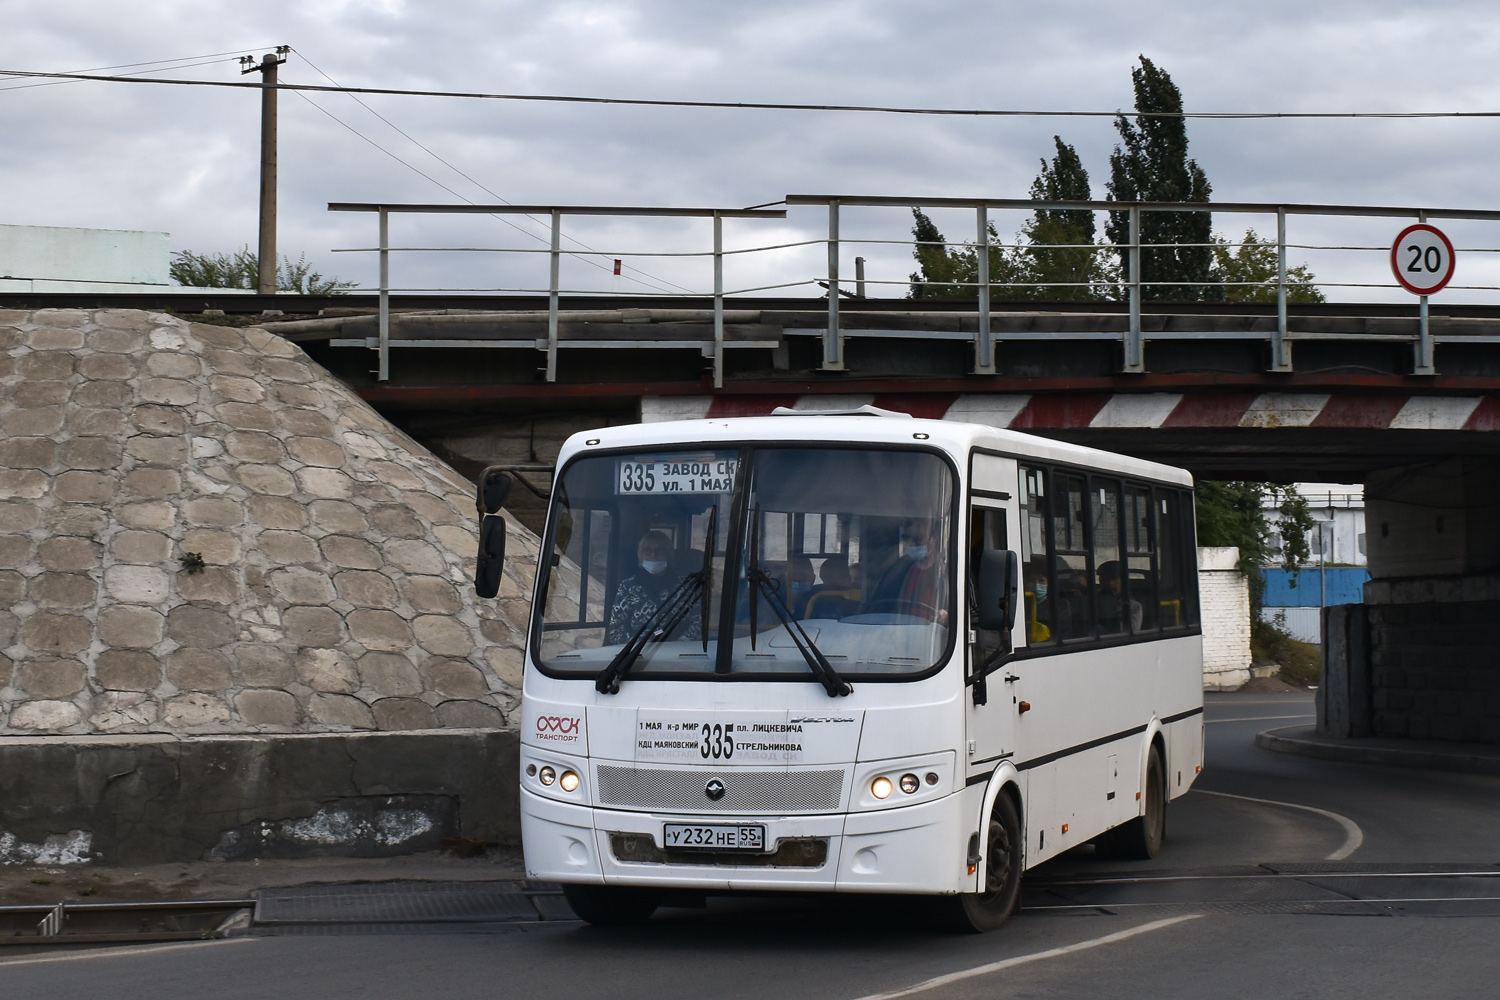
(266, 279)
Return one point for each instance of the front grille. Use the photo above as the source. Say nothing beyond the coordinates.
(798, 852)
(744, 791)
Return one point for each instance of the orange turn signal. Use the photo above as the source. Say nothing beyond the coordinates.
(1065, 828)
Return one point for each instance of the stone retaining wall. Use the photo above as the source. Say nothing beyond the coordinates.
(203, 532)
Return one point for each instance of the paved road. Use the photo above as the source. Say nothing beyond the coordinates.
(1282, 876)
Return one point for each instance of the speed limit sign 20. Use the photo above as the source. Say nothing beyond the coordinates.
(1422, 259)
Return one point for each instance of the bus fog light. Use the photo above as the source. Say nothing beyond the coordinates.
(531, 770)
(881, 787)
(546, 775)
(569, 781)
(910, 784)
(932, 777)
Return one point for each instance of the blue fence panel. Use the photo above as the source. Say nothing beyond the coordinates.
(1301, 589)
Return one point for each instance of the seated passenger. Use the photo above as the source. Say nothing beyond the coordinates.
(836, 596)
(640, 594)
(1038, 602)
(1112, 598)
(1070, 605)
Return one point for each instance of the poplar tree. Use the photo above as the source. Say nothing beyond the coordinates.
(946, 273)
(1151, 164)
(1059, 259)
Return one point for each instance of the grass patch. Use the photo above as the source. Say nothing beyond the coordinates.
(1300, 662)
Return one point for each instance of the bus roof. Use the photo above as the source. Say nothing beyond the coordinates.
(955, 437)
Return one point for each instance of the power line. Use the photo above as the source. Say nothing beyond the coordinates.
(466, 177)
(161, 66)
(768, 106)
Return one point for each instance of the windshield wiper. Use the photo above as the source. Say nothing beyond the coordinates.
(760, 579)
(668, 615)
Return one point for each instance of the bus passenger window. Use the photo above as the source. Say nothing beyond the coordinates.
(1071, 584)
(1140, 581)
(1035, 555)
(1116, 610)
(1171, 592)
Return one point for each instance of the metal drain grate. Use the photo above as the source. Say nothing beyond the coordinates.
(393, 903)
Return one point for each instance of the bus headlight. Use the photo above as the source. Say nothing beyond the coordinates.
(881, 787)
(546, 775)
(569, 781)
(910, 783)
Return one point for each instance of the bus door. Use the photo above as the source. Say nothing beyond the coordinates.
(991, 525)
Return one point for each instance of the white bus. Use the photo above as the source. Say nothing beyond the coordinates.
(853, 653)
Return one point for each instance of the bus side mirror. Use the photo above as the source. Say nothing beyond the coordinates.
(995, 589)
(494, 487)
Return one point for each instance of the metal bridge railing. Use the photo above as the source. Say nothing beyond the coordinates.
(1134, 359)
(1129, 287)
(556, 213)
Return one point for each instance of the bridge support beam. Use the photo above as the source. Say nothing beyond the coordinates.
(1418, 659)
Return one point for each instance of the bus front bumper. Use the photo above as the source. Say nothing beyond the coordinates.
(911, 849)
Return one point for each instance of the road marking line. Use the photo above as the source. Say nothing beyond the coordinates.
(1267, 718)
(118, 952)
(982, 970)
(1353, 835)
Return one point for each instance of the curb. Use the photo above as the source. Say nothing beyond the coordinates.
(1304, 740)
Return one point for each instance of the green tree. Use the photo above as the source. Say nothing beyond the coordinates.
(1058, 258)
(1236, 513)
(945, 273)
(241, 269)
(1152, 165)
(1249, 272)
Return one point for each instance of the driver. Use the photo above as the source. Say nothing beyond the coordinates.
(916, 583)
(641, 593)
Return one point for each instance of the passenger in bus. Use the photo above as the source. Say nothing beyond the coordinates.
(1070, 599)
(835, 596)
(916, 583)
(641, 593)
(1038, 601)
(1112, 600)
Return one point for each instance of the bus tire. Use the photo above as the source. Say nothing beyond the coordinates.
(1141, 838)
(611, 905)
(977, 912)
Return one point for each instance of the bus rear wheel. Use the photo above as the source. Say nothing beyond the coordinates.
(1141, 838)
(976, 912)
(611, 905)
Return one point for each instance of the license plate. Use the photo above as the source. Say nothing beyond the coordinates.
(715, 836)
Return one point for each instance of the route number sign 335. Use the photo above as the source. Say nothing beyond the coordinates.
(1422, 259)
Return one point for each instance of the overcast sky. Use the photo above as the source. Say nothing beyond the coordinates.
(185, 160)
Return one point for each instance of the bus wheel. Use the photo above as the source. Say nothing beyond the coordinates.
(610, 905)
(976, 912)
(1141, 838)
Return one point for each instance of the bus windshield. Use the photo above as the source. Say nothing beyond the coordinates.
(731, 563)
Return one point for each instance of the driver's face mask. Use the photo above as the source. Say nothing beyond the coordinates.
(655, 567)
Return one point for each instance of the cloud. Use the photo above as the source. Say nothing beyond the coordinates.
(185, 160)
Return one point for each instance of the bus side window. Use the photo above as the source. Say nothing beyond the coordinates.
(1116, 612)
(1036, 554)
(1171, 591)
(986, 533)
(1140, 582)
(1190, 553)
(1072, 575)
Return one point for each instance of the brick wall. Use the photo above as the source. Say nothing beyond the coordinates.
(1435, 670)
(1224, 599)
